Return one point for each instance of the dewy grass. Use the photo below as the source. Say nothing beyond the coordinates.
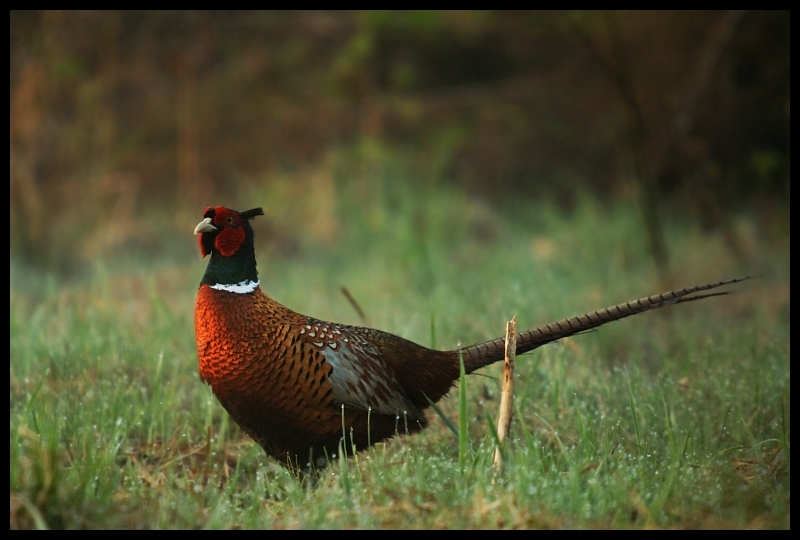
(673, 419)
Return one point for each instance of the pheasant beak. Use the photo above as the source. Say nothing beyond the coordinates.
(204, 226)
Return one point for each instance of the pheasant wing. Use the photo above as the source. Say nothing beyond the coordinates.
(360, 377)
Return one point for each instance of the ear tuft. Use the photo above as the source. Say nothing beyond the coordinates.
(248, 214)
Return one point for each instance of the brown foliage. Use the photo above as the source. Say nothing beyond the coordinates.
(115, 112)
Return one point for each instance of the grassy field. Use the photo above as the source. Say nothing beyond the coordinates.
(677, 418)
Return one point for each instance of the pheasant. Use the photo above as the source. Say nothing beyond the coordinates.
(295, 384)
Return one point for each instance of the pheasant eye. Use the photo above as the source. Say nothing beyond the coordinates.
(229, 220)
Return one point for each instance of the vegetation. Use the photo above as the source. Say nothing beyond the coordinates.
(678, 418)
(114, 114)
(451, 170)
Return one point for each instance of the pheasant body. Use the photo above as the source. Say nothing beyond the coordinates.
(278, 374)
(296, 384)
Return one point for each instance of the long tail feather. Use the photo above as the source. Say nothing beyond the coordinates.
(482, 354)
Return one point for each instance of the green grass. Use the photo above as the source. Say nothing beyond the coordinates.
(678, 418)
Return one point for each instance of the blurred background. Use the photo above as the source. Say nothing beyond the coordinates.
(125, 125)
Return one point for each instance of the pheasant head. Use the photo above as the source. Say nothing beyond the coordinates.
(227, 236)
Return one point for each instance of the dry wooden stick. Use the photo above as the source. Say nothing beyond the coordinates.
(507, 392)
(355, 305)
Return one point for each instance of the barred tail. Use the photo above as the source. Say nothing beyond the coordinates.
(482, 354)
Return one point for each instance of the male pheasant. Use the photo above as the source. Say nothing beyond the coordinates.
(295, 384)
